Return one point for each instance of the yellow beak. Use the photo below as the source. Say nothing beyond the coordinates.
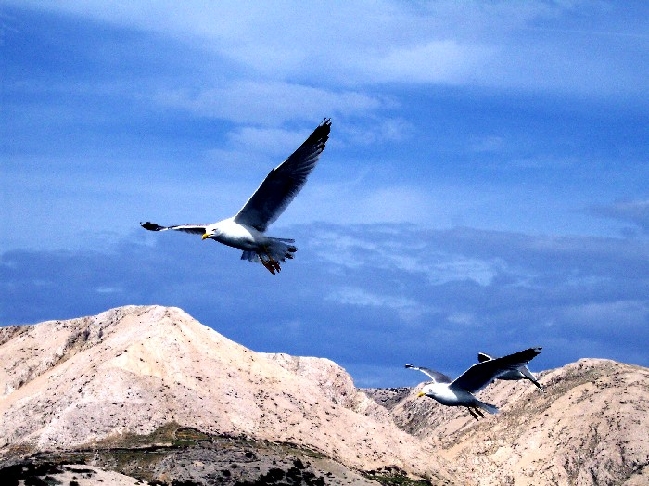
(205, 236)
(420, 394)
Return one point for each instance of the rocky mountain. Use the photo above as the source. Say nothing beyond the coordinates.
(104, 381)
(150, 394)
(589, 427)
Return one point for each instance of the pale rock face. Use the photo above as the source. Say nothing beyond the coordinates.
(70, 384)
(133, 369)
(590, 427)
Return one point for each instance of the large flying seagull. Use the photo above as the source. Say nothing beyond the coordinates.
(245, 230)
(459, 392)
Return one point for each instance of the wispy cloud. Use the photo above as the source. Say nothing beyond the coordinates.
(455, 268)
(535, 46)
(590, 290)
(437, 61)
(485, 171)
(624, 315)
(635, 213)
(282, 102)
(409, 310)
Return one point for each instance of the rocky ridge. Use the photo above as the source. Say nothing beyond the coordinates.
(76, 384)
(589, 427)
(152, 394)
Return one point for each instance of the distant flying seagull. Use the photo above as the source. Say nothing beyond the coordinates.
(522, 372)
(245, 230)
(459, 392)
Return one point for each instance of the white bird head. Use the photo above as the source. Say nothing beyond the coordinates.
(427, 390)
(212, 231)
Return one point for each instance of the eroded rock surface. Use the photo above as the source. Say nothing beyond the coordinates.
(72, 384)
(119, 392)
(590, 427)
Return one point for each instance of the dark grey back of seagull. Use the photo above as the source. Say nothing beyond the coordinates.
(479, 375)
(520, 373)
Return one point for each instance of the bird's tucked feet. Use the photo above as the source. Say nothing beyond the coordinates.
(475, 412)
(271, 265)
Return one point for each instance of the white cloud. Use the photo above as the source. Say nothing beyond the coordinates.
(241, 102)
(634, 212)
(616, 314)
(409, 251)
(364, 197)
(109, 290)
(487, 143)
(437, 61)
(532, 46)
(340, 249)
(458, 268)
(408, 309)
(365, 315)
(254, 150)
(392, 204)
(462, 318)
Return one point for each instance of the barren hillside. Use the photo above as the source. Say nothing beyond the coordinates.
(590, 427)
(133, 370)
(151, 393)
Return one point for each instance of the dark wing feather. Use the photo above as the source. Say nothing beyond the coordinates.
(196, 229)
(480, 375)
(526, 373)
(284, 182)
(436, 376)
(482, 357)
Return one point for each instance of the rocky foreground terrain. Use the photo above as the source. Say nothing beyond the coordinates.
(149, 395)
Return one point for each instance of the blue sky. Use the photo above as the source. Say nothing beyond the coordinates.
(484, 186)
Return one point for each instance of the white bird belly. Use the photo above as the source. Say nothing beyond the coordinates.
(239, 236)
(446, 396)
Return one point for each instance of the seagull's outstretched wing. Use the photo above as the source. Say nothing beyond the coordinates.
(284, 182)
(197, 229)
(526, 373)
(521, 372)
(480, 375)
(436, 376)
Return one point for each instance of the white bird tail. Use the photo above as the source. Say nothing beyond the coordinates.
(488, 407)
(274, 251)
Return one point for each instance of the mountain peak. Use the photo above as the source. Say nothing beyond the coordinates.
(145, 374)
(135, 369)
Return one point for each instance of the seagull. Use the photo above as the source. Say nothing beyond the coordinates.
(459, 392)
(246, 229)
(520, 373)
